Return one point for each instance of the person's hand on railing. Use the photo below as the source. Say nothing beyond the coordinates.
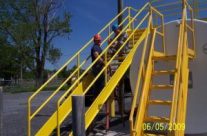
(109, 41)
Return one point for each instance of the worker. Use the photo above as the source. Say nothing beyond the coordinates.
(98, 66)
(119, 41)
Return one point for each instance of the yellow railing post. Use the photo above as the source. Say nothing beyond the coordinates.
(105, 72)
(78, 65)
(87, 70)
(163, 37)
(112, 105)
(109, 30)
(178, 111)
(135, 127)
(58, 121)
(95, 109)
(129, 14)
(28, 120)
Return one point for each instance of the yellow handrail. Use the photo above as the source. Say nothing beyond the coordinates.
(135, 96)
(169, 4)
(178, 110)
(145, 93)
(78, 80)
(87, 70)
(74, 56)
(169, 8)
(71, 75)
(162, 27)
(142, 64)
(117, 52)
(77, 55)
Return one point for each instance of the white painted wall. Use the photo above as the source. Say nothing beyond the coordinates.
(197, 100)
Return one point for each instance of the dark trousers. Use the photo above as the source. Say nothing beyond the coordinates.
(100, 82)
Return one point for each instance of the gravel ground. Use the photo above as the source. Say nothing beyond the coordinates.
(15, 112)
(15, 115)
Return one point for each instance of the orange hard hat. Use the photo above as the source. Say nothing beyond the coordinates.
(97, 37)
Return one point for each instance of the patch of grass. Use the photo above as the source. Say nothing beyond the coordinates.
(20, 89)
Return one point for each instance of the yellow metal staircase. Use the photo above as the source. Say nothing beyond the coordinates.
(144, 30)
(141, 122)
(84, 81)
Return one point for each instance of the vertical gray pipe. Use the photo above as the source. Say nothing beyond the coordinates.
(78, 115)
(1, 111)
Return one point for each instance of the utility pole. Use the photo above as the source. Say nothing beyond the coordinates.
(121, 84)
(120, 8)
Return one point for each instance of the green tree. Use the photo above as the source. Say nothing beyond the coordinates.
(31, 26)
(8, 63)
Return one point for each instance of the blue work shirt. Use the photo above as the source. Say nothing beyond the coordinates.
(98, 65)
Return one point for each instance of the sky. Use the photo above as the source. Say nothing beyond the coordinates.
(88, 17)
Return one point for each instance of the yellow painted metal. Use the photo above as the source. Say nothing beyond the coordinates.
(144, 96)
(76, 71)
(95, 107)
(161, 32)
(88, 69)
(158, 54)
(164, 72)
(166, 58)
(106, 65)
(180, 86)
(157, 119)
(173, 8)
(162, 87)
(112, 105)
(152, 135)
(64, 109)
(108, 89)
(178, 111)
(106, 50)
(136, 125)
(81, 85)
(101, 99)
(76, 82)
(160, 102)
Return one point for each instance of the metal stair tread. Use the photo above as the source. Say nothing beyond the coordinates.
(115, 63)
(156, 119)
(153, 134)
(163, 72)
(162, 87)
(166, 57)
(117, 58)
(160, 102)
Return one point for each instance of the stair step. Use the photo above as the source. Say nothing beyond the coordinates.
(128, 95)
(115, 64)
(118, 58)
(157, 119)
(170, 57)
(162, 87)
(153, 135)
(164, 72)
(160, 102)
(159, 54)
